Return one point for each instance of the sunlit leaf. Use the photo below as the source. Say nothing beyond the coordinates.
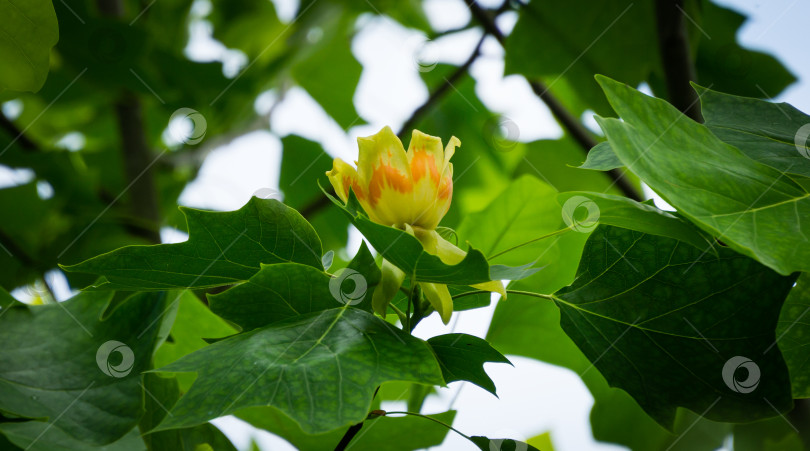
(753, 208)
(321, 369)
(223, 248)
(669, 342)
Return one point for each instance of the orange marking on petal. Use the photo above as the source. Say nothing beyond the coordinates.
(385, 175)
(355, 185)
(347, 181)
(421, 163)
(446, 188)
(358, 191)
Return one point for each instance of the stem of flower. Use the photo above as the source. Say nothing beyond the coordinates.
(418, 312)
(402, 317)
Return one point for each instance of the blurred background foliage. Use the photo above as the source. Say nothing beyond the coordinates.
(95, 165)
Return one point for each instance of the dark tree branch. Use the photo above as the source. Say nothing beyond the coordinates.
(487, 20)
(16, 134)
(350, 434)
(441, 90)
(676, 58)
(312, 208)
(355, 428)
(573, 126)
(137, 155)
(111, 8)
(137, 164)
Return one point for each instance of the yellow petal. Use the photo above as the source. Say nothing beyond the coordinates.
(439, 297)
(384, 171)
(448, 252)
(434, 244)
(448, 153)
(383, 161)
(342, 176)
(392, 278)
(432, 181)
(425, 156)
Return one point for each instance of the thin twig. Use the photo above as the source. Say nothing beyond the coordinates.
(348, 436)
(573, 126)
(676, 58)
(24, 141)
(441, 90)
(134, 146)
(353, 429)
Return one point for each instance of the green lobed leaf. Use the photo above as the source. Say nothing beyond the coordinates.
(320, 369)
(793, 331)
(764, 131)
(462, 358)
(54, 361)
(275, 293)
(223, 248)
(193, 323)
(530, 327)
(662, 321)
(29, 31)
(555, 162)
(626, 213)
(407, 253)
(332, 89)
(602, 158)
(774, 434)
(303, 162)
(161, 395)
(286, 290)
(721, 61)
(37, 436)
(753, 208)
(379, 434)
(527, 210)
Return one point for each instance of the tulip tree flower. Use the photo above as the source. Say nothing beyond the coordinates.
(411, 191)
